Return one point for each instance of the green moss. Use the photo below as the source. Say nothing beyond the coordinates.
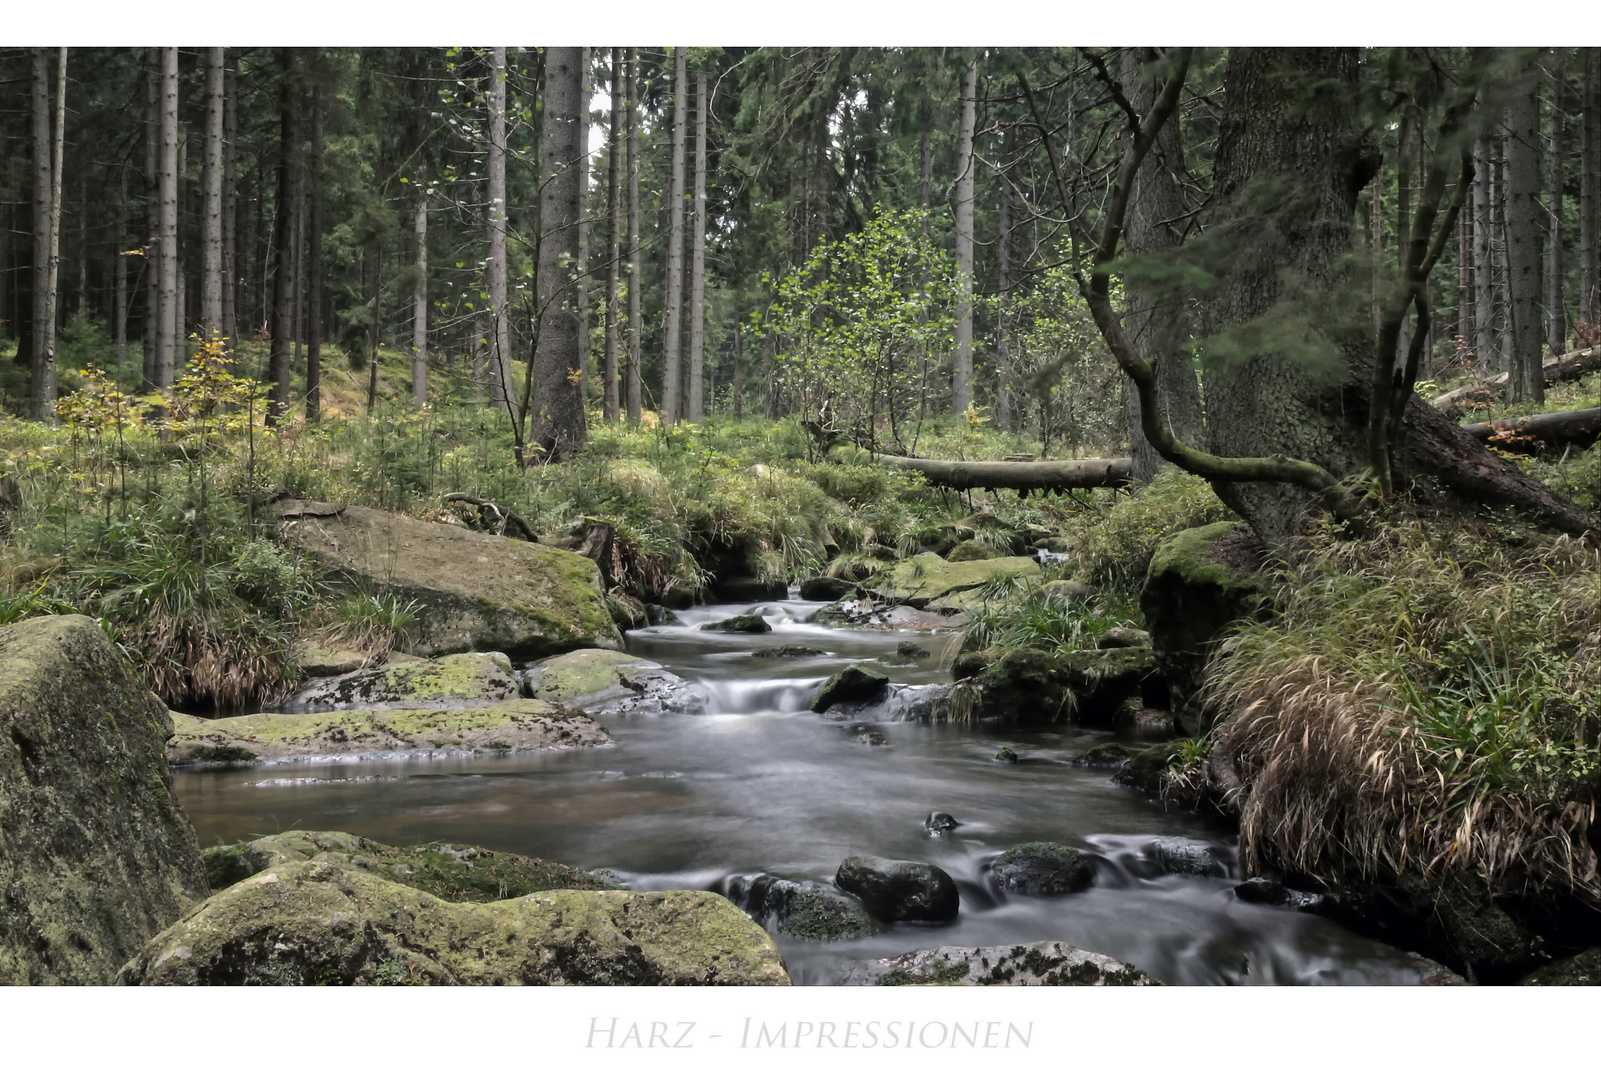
(583, 674)
(1188, 556)
(926, 577)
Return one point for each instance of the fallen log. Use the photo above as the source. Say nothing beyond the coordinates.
(1564, 368)
(1023, 476)
(1577, 427)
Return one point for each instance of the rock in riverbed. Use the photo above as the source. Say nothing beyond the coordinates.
(96, 854)
(739, 624)
(1042, 963)
(855, 685)
(611, 681)
(506, 727)
(802, 909)
(316, 922)
(1043, 869)
(466, 678)
(897, 891)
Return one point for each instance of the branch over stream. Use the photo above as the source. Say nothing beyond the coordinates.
(1024, 476)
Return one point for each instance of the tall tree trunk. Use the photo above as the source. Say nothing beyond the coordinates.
(375, 329)
(697, 263)
(1590, 193)
(314, 284)
(419, 303)
(121, 274)
(739, 375)
(230, 211)
(581, 281)
(1003, 285)
(1156, 324)
(42, 361)
(152, 245)
(499, 316)
(1523, 240)
(1498, 210)
(211, 220)
(558, 426)
(1464, 283)
(297, 280)
(962, 376)
(1284, 171)
(1556, 312)
(619, 106)
(169, 337)
(44, 389)
(1403, 203)
(672, 373)
(632, 390)
(1483, 260)
(283, 241)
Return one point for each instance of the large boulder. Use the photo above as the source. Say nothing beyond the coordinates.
(476, 591)
(855, 685)
(924, 579)
(473, 678)
(1199, 582)
(611, 681)
(1044, 869)
(320, 923)
(1086, 686)
(895, 891)
(96, 854)
(504, 727)
(454, 872)
(1042, 963)
(801, 909)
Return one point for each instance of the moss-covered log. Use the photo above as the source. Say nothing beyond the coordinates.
(1576, 427)
(1564, 368)
(1024, 476)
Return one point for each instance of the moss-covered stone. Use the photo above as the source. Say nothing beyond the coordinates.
(317, 660)
(1040, 963)
(923, 578)
(973, 551)
(1033, 686)
(1198, 583)
(801, 909)
(855, 685)
(582, 674)
(1147, 770)
(317, 922)
(772, 652)
(463, 679)
(1043, 868)
(1581, 970)
(455, 872)
(895, 891)
(1109, 755)
(739, 624)
(477, 591)
(96, 854)
(506, 727)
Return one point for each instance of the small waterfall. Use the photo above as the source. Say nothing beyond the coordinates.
(746, 696)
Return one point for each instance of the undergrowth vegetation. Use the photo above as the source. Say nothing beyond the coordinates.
(1426, 700)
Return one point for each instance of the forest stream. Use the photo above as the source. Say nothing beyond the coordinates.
(756, 782)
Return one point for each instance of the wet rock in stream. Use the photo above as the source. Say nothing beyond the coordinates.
(1040, 963)
(1043, 869)
(1177, 855)
(773, 652)
(940, 822)
(739, 624)
(826, 589)
(855, 685)
(801, 909)
(896, 891)
(460, 679)
(611, 681)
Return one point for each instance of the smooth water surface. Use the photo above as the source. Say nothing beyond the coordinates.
(760, 783)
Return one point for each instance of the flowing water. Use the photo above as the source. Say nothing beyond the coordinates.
(756, 782)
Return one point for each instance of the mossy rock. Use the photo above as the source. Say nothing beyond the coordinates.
(316, 660)
(472, 678)
(801, 909)
(855, 685)
(1147, 770)
(320, 923)
(476, 591)
(1041, 868)
(923, 578)
(1086, 686)
(773, 652)
(505, 727)
(893, 890)
(739, 624)
(1039, 963)
(585, 675)
(1109, 755)
(972, 551)
(96, 854)
(1581, 970)
(455, 872)
(1199, 582)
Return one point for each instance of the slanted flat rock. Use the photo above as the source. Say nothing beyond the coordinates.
(477, 591)
(1041, 963)
(802, 909)
(611, 681)
(923, 578)
(505, 727)
(96, 854)
(316, 922)
(462, 679)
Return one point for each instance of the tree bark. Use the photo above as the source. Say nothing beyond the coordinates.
(1523, 241)
(152, 245)
(558, 426)
(962, 376)
(1003, 285)
(43, 359)
(211, 220)
(614, 152)
(230, 213)
(697, 264)
(632, 390)
(1564, 368)
(168, 336)
(1156, 324)
(672, 375)
(1589, 190)
(283, 242)
(1483, 261)
(121, 273)
(1556, 313)
(419, 302)
(1025, 476)
(314, 286)
(499, 324)
(1577, 426)
(581, 281)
